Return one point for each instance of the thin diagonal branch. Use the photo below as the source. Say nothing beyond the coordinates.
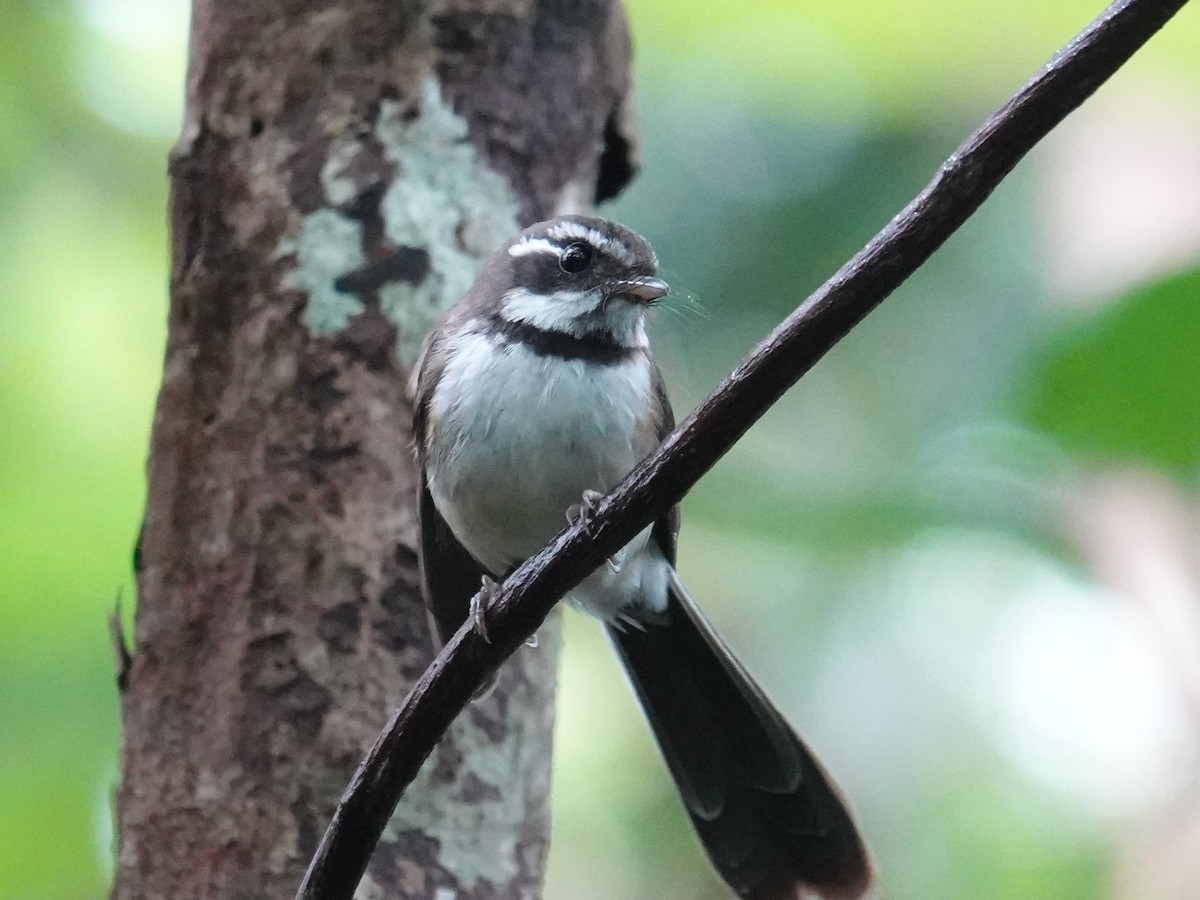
(964, 181)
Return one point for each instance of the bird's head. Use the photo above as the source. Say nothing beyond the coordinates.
(580, 276)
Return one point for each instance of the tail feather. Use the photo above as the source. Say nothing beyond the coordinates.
(770, 819)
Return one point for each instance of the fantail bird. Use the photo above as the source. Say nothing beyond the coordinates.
(536, 390)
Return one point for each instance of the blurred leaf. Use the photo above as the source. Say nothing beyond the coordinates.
(997, 841)
(919, 59)
(83, 282)
(1126, 384)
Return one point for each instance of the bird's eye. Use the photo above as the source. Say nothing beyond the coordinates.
(575, 258)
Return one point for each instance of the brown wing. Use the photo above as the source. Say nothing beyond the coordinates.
(450, 575)
(666, 529)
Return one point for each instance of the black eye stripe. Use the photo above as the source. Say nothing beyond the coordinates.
(538, 273)
(537, 261)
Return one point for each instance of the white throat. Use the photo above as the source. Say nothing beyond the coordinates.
(578, 313)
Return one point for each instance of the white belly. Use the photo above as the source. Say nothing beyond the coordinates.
(524, 443)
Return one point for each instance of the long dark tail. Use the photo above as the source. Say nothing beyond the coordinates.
(769, 817)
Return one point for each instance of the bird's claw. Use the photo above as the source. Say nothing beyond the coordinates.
(582, 513)
(480, 603)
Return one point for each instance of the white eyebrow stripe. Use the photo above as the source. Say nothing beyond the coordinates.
(528, 245)
(565, 230)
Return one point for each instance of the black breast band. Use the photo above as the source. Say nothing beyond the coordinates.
(595, 348)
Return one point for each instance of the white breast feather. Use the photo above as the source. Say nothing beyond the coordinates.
(519, 438)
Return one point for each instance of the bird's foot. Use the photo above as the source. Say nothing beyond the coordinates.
(582, 513)
(480, 604)
(617, 560)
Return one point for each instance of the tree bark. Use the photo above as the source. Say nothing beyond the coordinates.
(342, 167)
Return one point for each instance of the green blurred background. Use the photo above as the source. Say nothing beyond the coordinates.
(962, 554)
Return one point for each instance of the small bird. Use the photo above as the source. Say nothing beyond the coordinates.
(536, 391)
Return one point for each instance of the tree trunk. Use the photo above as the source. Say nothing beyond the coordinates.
(343, 166)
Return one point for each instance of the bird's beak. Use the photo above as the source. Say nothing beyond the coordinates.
(640, 290)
